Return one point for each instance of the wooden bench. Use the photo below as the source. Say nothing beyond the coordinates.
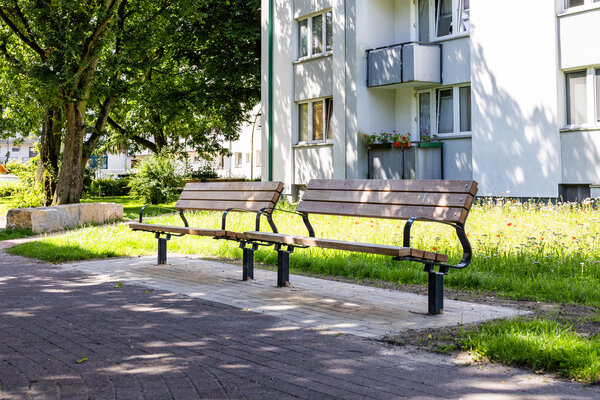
(256, 197)
(442, 201)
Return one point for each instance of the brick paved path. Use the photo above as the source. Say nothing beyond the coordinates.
(158, 345)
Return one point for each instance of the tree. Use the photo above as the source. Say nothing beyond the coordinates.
(159, 73)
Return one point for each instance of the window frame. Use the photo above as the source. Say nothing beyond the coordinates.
(459, 17)
(434, 115)
(586, 4)
(592, 99)
(326, 35)
(327, 116)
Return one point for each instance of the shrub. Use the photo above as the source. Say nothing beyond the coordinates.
(26, 193)
(156, 182)
(8, 189)
(108, 187)
(204, 173)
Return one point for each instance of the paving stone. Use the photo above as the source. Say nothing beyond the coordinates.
(167, 345)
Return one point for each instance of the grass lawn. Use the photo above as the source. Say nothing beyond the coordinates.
(531, 252)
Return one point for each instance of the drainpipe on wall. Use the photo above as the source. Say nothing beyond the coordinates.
(270, 91)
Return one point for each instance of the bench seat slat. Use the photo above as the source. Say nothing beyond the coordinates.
(395, 198)
(403, 185)
(384, 211)
(263, 196)
(218, 205)
(177, 229)
(233, 186)
(385, 250)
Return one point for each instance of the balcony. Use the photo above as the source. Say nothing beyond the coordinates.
(404, 65)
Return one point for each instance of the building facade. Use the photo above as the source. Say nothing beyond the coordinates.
(511, 88)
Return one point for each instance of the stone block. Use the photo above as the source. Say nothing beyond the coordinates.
(50, 219)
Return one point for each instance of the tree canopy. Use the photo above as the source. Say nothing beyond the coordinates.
(125, 73)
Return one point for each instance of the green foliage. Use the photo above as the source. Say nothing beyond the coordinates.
(108, 187)
(538, 344)
(157, 182)
(8, 189)
(26, 193)
(204, 173)
(8, 234)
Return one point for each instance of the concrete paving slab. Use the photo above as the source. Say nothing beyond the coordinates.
(310, 302)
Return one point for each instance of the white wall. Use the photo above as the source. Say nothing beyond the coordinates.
(578, 39)
(283, 116)
(516, 143)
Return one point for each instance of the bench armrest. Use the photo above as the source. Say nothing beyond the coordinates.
(164, 208)
(224, 217)
(460, 233)
(309, 228)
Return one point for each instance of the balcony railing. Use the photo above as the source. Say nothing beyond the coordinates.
(404, 64)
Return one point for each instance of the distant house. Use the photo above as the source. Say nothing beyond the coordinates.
(246, 155)
(20, 150)
(511, 89)
(246, 158)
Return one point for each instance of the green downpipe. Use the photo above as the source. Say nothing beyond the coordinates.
(270, 91)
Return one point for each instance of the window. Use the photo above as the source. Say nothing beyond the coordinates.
(448, 17)
(221, 162)
(16, 149)
(303, 122)
(99, 162)
(578, 3)
(424, 114)
(315, 35)
(451, 108)
(314, 120)
(258, 158)
(444, 18)
(465, 108)
(423, 20)
(247, 158)
(32, 152)
(238, 160)
(576, 98)
(445, 111)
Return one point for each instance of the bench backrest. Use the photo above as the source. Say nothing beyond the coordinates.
(220, 196)
(443, 200)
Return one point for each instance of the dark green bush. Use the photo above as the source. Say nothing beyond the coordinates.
(108, 187)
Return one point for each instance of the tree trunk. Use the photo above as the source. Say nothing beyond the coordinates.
(50, 141)
(70, 179)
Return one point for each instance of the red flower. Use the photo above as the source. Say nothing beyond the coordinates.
(397, 143)
(434, 248)
(509, 224)
(403, 137)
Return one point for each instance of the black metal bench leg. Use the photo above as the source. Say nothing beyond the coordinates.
(283, 267)
(436, 292)
(162, 248)
(248, 262)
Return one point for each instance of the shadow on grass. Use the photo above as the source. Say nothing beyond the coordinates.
(8, 234)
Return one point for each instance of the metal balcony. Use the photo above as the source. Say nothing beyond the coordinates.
(406, 64)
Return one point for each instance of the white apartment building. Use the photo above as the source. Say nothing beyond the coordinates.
(510, 87)
(20, 150)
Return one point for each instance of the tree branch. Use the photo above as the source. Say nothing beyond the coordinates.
(137, 139)
(28, 41)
